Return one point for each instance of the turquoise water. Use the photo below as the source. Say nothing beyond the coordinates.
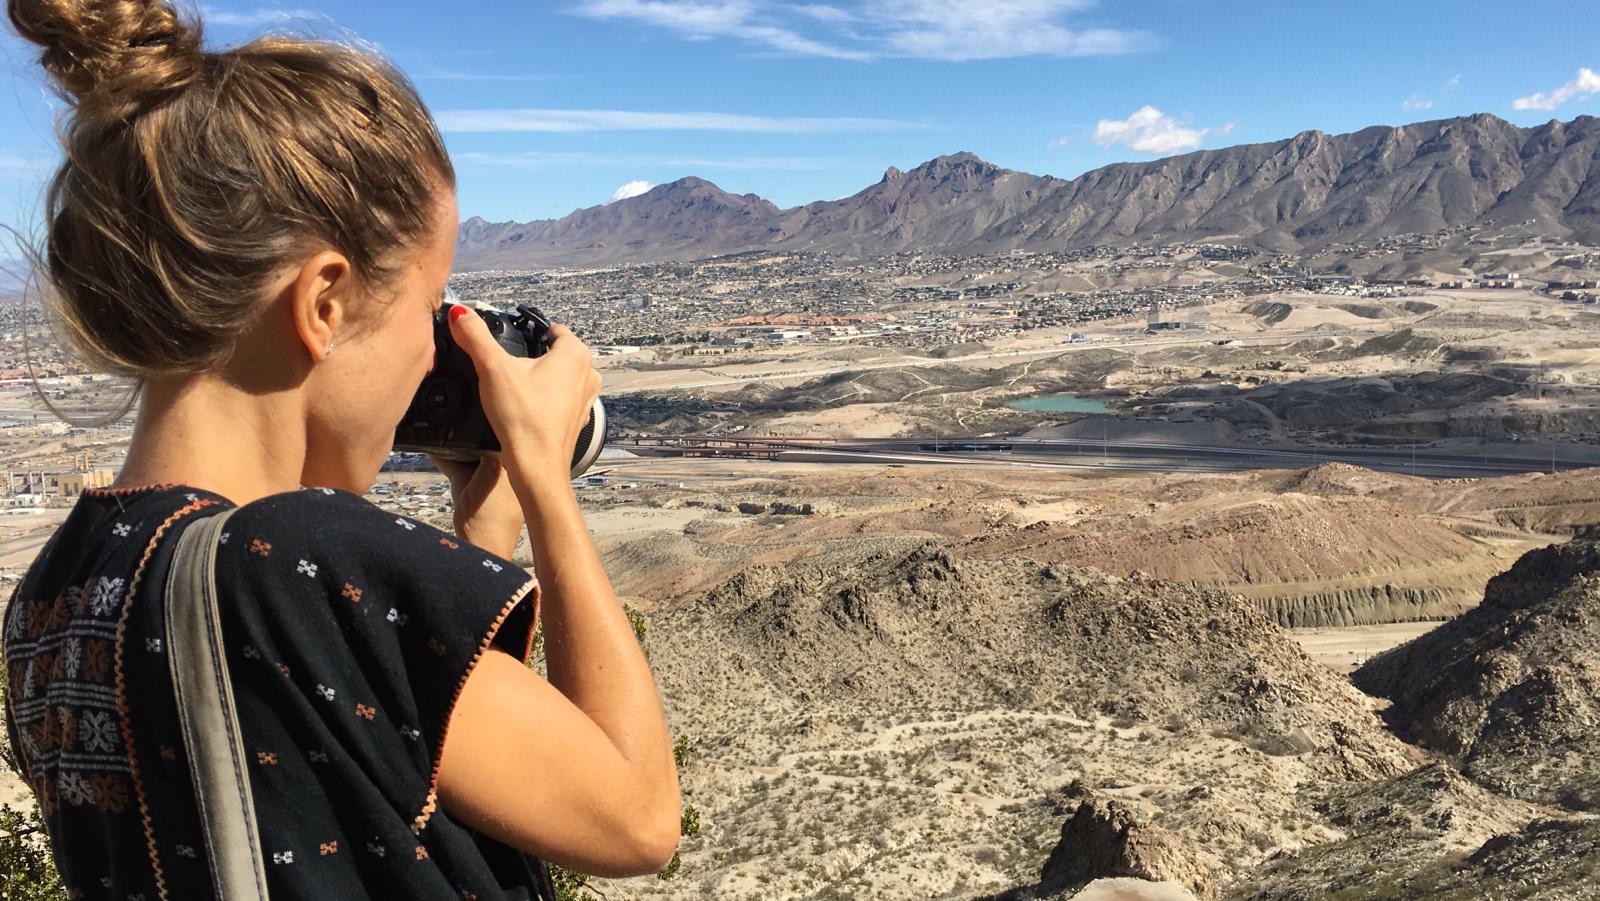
(1059, 403)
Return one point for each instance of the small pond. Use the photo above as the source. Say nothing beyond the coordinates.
(1059, 403)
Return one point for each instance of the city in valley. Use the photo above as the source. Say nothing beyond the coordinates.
(1011, 574)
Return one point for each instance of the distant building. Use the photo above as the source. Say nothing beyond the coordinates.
(60, 483)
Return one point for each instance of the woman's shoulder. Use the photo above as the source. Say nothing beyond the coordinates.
(345, 541)
(335, 519)
(317, 506)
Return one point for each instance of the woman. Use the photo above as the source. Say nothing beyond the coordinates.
(262, 237)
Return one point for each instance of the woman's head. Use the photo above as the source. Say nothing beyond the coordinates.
(199, 187)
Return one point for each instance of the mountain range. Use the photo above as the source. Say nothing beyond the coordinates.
(1302, 193)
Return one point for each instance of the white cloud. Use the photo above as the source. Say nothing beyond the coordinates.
(631, 189)
(824, 13)
(1453, 83)
(1415, 102)
(1059, 143)
(256, 18)
(1149, 130)
(554, 120)
(1586, 84)
(714, 19)
(951, 30)
(962, 30)
(531, 159)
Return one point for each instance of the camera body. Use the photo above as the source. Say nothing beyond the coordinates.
(446, 418)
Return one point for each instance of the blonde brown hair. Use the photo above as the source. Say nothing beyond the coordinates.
(191, 177)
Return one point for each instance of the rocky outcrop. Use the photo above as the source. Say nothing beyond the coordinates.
(1512, 688)
(1107, 837)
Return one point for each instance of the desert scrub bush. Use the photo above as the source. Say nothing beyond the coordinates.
(27, 872)
(987, 855)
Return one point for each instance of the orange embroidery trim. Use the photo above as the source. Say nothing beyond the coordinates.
(122, 691)
(530, 587)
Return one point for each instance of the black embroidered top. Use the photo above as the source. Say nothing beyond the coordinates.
(349, 632)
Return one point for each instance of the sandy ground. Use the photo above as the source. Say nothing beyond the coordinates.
(22, 533)
(1345, 649)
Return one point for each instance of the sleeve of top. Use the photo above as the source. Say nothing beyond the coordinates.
(372, 620)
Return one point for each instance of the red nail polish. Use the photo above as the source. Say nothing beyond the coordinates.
(457, 311)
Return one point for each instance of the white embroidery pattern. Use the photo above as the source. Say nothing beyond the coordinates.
(493, 565)
(122, 530)
(107, 596)
(375, 848)
(409, 733)
(97, 732)
(396, 617)
(186, 851)
(224, 538)
(326, 692)
(306, 568)
(75, 789)
(153, 645)
(409, 526)
(250, 652)
(283, 857)
(317, 756)
(71, 657)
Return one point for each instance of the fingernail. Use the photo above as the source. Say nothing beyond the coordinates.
(457, 311)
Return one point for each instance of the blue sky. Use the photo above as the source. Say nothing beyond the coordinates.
(551, 106)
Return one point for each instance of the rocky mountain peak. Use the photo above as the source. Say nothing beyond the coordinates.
(964, 163)
(1302, 193)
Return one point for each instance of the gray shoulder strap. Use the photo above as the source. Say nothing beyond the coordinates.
(208, 716)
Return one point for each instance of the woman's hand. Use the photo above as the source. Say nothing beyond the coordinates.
(537, 405)
(486, 509)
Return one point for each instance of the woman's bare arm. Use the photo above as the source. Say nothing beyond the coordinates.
(577, 769)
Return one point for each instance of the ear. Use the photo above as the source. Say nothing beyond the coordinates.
(319, 301)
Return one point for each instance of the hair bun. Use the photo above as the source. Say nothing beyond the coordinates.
(111, 57)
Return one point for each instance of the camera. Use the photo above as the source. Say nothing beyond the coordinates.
(446, 418)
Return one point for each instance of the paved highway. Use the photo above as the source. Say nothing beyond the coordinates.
(1115, 455)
